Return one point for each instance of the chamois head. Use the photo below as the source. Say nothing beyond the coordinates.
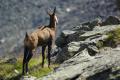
(53, 17)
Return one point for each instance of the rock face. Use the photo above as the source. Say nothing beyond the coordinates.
(81, 55)
(111, 20)
(76, 41)
(84, 67)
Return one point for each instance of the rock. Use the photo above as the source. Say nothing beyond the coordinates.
(111, 20)
(69, 42)
(92, 49)
(12, 60)
(86, 23)
(66, 37)
(99, 31)
(62, 55)
(62, 40)
(2, 41)
(84, 67)
(16, 71)
(69, 51)
(96, 22)
(82, 28)
(74, 47)
(28, 78)
(82, 57)
(87, 26)
(54, 54)
(97, 38)
(67, 32)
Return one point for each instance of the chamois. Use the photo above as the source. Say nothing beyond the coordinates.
(44, 36)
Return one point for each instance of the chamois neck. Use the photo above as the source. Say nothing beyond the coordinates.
(52, 24)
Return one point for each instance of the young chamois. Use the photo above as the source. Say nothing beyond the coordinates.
(44, 37)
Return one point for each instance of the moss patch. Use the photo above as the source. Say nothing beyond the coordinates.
(112, 41)
(114, 37)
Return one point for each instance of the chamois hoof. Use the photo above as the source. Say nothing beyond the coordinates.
(49, 67)
(23, 74)
(42, 66)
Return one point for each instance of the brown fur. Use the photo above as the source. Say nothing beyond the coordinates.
(43, 36)
(39, 37)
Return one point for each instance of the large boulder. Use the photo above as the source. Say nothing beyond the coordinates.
(91, 44)
(111, 20)
(91, 41)
(92, 49)
(96, 22)
(99, 31)
(88, 26)
(80, 33)
(69, 51)
(63, 39)
(81, 55)
(85, 67)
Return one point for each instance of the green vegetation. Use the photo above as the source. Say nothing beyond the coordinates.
(112, 40)
(100, 44)
(13, 71)
(114, 35)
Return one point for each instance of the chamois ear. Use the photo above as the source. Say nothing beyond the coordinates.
(54, 10)
(48, 12)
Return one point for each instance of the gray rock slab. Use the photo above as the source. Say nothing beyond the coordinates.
(84, 66)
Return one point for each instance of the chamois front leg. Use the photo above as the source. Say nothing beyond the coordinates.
(43, 55)
(23, 67)
(28, 59)
(49, 54)
(24, 60)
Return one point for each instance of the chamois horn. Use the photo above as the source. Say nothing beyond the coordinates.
(54, 10)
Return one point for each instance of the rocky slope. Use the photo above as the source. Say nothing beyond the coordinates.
(84, 67)
(19, 16)
(84, 59)
(86, 54)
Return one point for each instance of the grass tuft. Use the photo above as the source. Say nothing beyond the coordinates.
(114, 37)
(112, 41)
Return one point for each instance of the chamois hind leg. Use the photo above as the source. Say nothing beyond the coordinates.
(43, 55)
(28, 59)
(23, 69)
(24, 60)
(49, 51)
